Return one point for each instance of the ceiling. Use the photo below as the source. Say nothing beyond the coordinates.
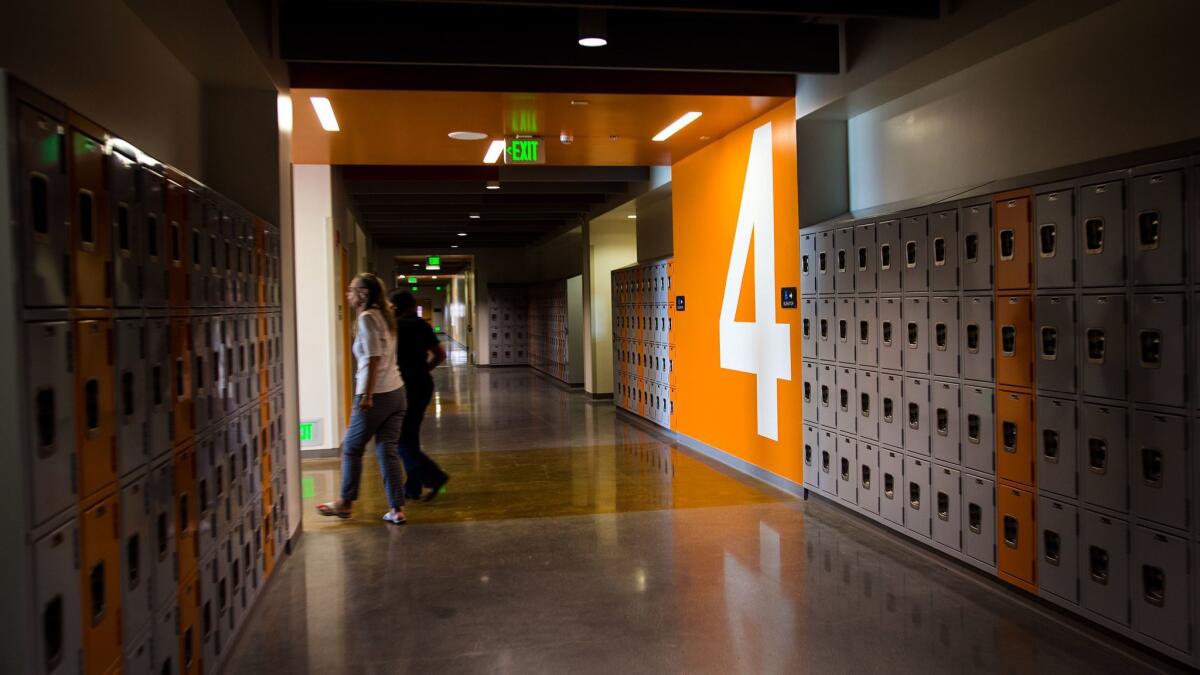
(414, 266)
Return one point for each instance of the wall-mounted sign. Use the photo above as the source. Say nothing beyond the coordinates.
(311, 433)
(524, 150)
(787, 297)
(679, 304)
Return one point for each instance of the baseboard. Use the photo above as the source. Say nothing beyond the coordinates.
(742, 466)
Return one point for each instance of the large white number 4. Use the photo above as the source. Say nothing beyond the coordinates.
(762, 348)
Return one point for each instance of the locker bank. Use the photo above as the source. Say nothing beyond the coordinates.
(762, 333)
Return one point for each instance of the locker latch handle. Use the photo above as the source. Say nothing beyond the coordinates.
(1048, 239)
(943, 506)
(865, 404)
(889, 486)
(939, 336)
(98, 589)
(939, 251)
(1154, 585)
(1152, 467)
(975, 518)
(866, 477)
(1148, 230)
(885, 256)
(1011, 530)
(886, 333)
(1009, 430)
(943, 422)
(1151, 348)
(1050, 446)
(973, 338)
(1093, 230)
(1097, 456)
(888, 412)
(973, 428)
(1008, 244)
(825, 461)
(971, 248)
(1049, 343)
(913, 335)
(914, 416)
(864, 332)
(910, 253)
(914, 496)
(1052, 547)
(1008, 340)
(808, 454)
(862, 259)
(1095, 345)
(846, 469)
(1098, 565)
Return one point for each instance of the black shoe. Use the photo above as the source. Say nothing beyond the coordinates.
(412, 491)
(436, 486)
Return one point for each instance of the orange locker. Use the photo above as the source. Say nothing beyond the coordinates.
(178, 234)
(1016, 556)
(1014, 269)
(91, 230)
(95, 412)
(1014, 437)
(187, 539)
(181, 380)
(100, 544)
(189, 626)
(1014, 341)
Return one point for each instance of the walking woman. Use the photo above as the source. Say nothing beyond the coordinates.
(379, 401)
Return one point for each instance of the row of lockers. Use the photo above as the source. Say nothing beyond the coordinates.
(643, 354)
(647, 323)
(508, 325)
(1107, 346)
(643, 284)
(548, 348)
(647, 360)
(651, 400)
(1101, 231)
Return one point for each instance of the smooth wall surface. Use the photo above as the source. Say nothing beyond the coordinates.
(719, 406)
(612, 244)
(316, 325)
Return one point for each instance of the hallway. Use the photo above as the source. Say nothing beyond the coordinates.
(571, 539)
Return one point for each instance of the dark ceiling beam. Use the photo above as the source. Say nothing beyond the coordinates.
(909, 9)
(491, 201)
(461, 217)
(386, 188)
(483, 172)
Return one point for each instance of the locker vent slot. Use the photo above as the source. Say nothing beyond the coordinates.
(912, 335)
(1008, 340)
(821, 262)
(44, 403)
(865, 404)
(866, 477)
(914, 496)
(973, 426)
(1097, 456)
(1095, 345)
(1008, 243)
(971, 248)
(1151, 348)
(973, 337)
(1009, 430)
(862, 259)
(910, 254)
(1098, 565)
(98, 588)
(889, 486)
(841, 260)
(1052, 547)
(1152, 467)
(846, 469)
(52, 633)
(943, 422)
(87, 229)
(939, 336)
(864, 332)
(1050, 446)
(92, 404)
(975, 518)
(885, 256)
(1148, 227)
(939, 251)
(1093, 230)
(825, 461)
(943, 506)
(127, 394)
(914, 416)
(1049, 343)
(39, 205)
(888, 412)
(123, 238)
(1154, 585)
(1010, 531)
(887, 333)
(133, 559)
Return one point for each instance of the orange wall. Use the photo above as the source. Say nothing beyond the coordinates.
(715, 405)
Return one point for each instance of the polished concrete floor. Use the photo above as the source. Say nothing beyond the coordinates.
(574, 540)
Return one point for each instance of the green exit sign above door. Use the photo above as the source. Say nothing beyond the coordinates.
(521, 150)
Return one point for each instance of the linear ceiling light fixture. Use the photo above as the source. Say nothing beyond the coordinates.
(592, 31)
(467, 135)
(675, 126)
(473, 216)
(494, 151)
(325, 113)
(493, 185)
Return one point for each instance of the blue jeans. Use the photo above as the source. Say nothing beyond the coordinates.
(383, 420)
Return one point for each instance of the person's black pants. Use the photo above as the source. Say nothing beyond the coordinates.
(420, 470)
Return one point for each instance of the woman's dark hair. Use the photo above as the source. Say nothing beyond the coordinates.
(376, 298)
(404, 302)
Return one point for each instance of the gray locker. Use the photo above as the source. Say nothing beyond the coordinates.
(126, 235)
(161, 562)
(847, 469)
(808, 264)
(975, 247)
(891, 334)
(979, 518)
(977, 427)
(50, 419)
(827, 329)
(891, 410)
(917, 484)
(1102, 234)
(1102, 329)
(868, 476)
(812, 392)
(846, 337)
(843, 260)
(916, 335)
(943, 336)
(42, 203)
(138, 659)
(916, 416)
(56, 594)
(131, 396)
(1056, 463)
(865, 259)
(135, 556)
(812, 455)
(867, 384)
(207, 494)
(1058, 549)
(947, 507)
(1157, 368)
(890, 259)
(847, 400)
(159, 401)
(1103, 471)
(892, 489)
(1054, 338)
(1054, 239)
(1159, 233)
(212, 635)
(1161, 584)
(943, 251)
(826, 266)
(826, 395)
(1159, 467)
(915, 253)
(1104, 566)
(866, 352)
(808, 328)
(944, 434)
(164, 641)
(152, 219)
(826, 476)
(976, 347)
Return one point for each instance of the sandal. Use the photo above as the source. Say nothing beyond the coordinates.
(330, 509)
(398, 519)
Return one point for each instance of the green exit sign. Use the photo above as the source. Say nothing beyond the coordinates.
(524, 151)
(434, 260)
(306, 431)
(412, 280)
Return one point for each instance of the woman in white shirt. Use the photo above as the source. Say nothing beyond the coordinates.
(379, 401)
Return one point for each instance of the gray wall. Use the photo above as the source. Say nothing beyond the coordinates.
(655, 234)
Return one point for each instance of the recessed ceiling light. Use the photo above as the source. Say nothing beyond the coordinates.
(493, 185)
(467, 135)
(675, 126)
(473, 216)
(453, 245)
(462, 234)
(580, 101)
(325, 113)
(493, 152)
(435, 276)
(416, 264)
(632, 216)
(592, 31)
(592, 42)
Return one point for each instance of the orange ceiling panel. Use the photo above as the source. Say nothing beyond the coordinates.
(411, 127)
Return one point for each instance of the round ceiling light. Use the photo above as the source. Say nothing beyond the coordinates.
(592, 42)
(467, 135)
(462, 234)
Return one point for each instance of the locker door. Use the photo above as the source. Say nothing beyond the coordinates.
(1056, 463)
(1158, 229)
(827, 329)
(826, 262)
(1054, 336)
(96, 437)
(868, 476)
(1103, 472)
(976, 427)
(891, 334)
(847, 469)
(211, 624)
(945, 434)
(199, 261)
(1102, 234)
(1013, 267)
(42, 198)
(812, 456)
(826, 396)
(947, 507)
(975, 247)
(847, 400)
(100, 549)
(176, 252)
(135, 556)
(189, 627)
(865, 259)
(57, 594)
(808, 264)
(843, 260)
(131, 393)
(1159, 462)
(916, 416)
(164, 642)
(50, 402)
(138, 659)
(1054, 239)
(186, 513)
(890, 259)
(1014, 337)
(866, 352)
(979, 524)
(152, 205)
(943, 320)
(201, 386)
(1161, 602)
(180, 365)
(162, 528)
(126, 235)
(917, 483)
(1160, 338)
(207, 495)
(157, 375)
(1103, 335)
(826, 478)
(867, 384)
(1016, 556)
(1058, 549)
(812, 392)
(1104, 566)
(943, 251)
(916, 335)
(91, 230)
(892, 491)
(846, 338)
(976, 349)
(915, 254)
(1014, 437)
(891, 410)
(217, 224)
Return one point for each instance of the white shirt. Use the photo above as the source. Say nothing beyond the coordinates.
(372, 338)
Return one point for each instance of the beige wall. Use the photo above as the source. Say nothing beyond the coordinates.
(612, 244)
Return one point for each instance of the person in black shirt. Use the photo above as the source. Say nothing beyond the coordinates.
(418, 352)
